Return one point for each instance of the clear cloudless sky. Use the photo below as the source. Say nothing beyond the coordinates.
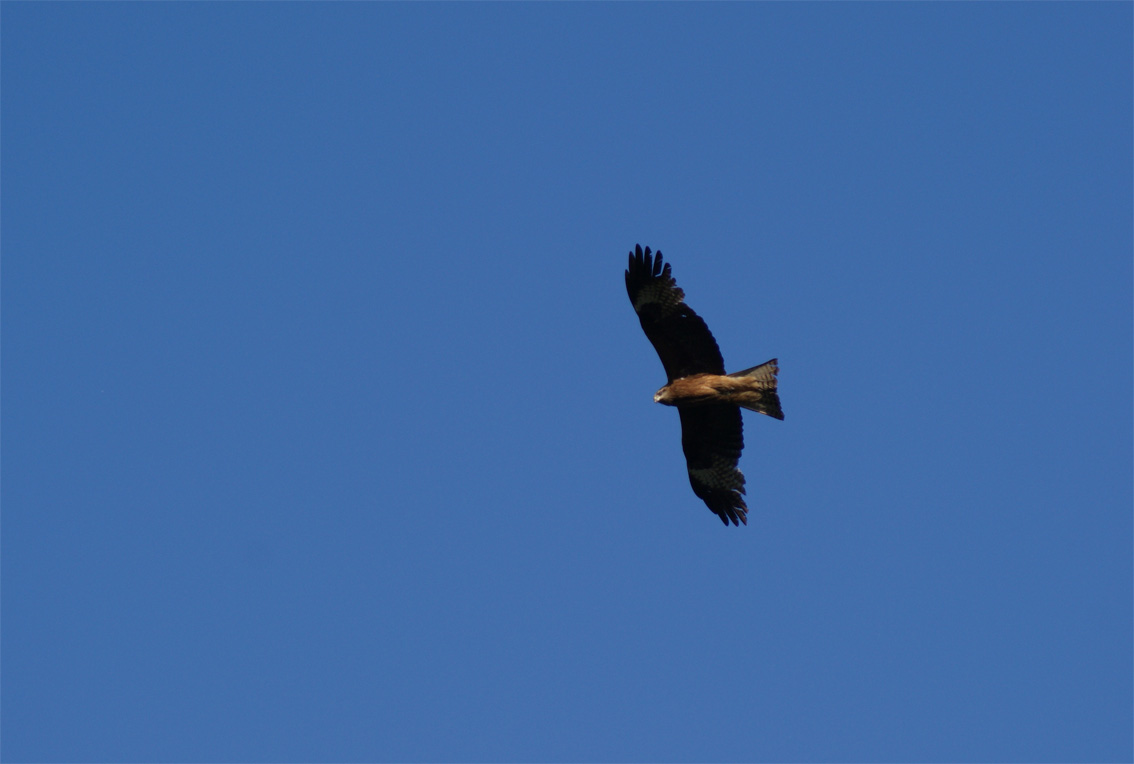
(328, 430)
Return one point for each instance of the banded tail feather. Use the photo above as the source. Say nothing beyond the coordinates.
(764, 398)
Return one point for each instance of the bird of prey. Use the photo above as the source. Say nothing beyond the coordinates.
(708, 399)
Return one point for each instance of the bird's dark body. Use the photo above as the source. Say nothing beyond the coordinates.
(708, 399)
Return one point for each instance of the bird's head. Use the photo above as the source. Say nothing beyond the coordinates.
(664, 396)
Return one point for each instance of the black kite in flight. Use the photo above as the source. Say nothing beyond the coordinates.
(708, 400)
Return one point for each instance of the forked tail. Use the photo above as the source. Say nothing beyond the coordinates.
(761, 395)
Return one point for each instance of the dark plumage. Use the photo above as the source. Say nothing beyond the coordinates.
(708, 400)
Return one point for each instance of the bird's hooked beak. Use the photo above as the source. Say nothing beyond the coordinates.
(658, 396)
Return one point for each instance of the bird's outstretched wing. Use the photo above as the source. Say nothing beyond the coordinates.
(681, 337)
(712, 438)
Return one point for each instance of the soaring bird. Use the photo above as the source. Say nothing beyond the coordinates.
(708, 399)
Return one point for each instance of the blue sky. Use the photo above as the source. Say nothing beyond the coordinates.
(328, 430)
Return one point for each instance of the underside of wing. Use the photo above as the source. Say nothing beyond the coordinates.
(681, 337)
(712, 438)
